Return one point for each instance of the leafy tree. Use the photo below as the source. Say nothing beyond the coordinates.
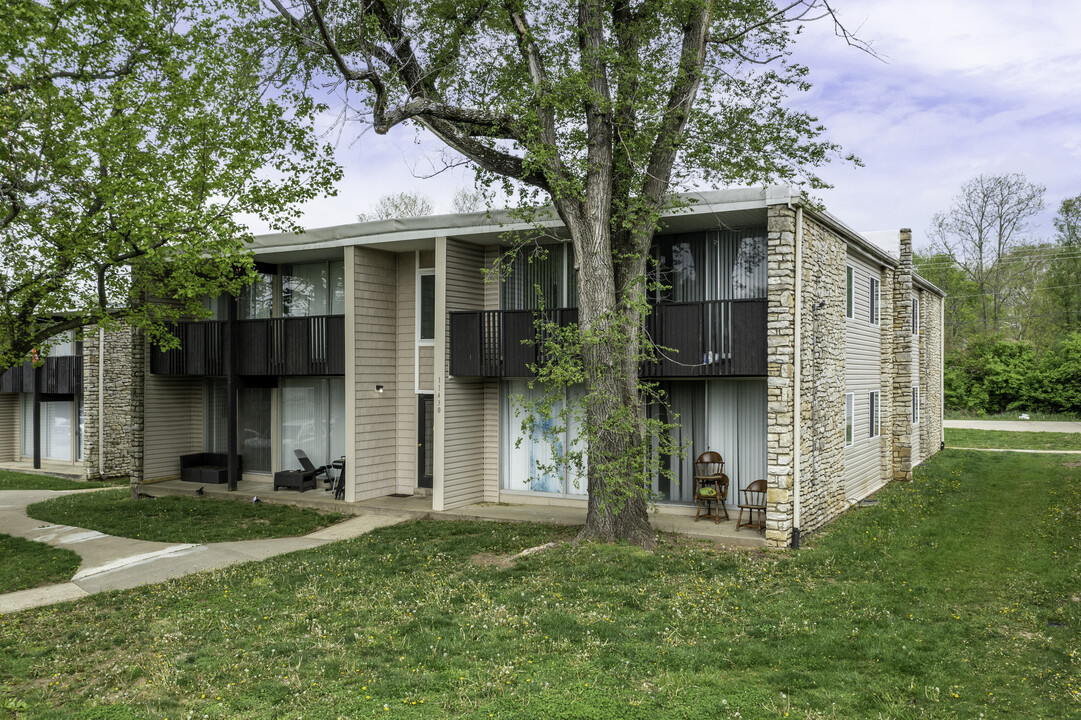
(1059, 383)
(399, 205)
(467, 200)
(603, 108)
(991, 376)
(962, 302)
(982, 233)
(1064, 277)
(134, 135)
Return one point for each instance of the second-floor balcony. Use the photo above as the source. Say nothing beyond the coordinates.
(693, 339)
(59, 375)
(273, 346)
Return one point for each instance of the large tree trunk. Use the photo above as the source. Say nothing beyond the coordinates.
(618, 509)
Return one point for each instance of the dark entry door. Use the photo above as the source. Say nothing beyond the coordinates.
(425, 446)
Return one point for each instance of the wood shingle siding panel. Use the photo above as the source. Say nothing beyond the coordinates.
(407, 398)
(376, 329)
(9, 426)
(863, 373)
(463, 402)
(172, 423)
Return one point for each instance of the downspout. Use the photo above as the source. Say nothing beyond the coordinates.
(101, 402)
(797, 439)
(942, 369)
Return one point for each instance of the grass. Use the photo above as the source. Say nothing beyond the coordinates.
(938, 602)
(1012, 415)
(25, 481)
(180, 519)
(28, 564)
(1008, 439)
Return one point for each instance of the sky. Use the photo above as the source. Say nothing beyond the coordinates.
(958, 88)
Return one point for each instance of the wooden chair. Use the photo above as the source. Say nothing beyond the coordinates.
(710, 486)
(753, 501)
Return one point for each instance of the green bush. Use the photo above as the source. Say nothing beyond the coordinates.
(992, 375)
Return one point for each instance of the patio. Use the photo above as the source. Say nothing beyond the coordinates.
(669, 518)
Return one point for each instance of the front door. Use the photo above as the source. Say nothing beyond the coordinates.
(424, 442)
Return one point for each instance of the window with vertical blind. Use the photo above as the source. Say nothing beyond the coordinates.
(313, 289)
(716, 265)
(850, 290)
(875, 413)
(312, 419)
(873, 309)
(541, 275)
(850, 418)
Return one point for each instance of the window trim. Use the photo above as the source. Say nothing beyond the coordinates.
(915, 404)
(874, 287)
(850, 419)
(422, 341)
(850, 292)
(874, 407)
(915, 314)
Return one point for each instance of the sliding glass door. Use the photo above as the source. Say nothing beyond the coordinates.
(312, 419)
(61, 429)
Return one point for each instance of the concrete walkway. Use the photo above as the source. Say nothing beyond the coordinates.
(114, 563)
(1016, 425)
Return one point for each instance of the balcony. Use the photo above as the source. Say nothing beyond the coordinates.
(266, 347)
(61, 375)
(703, 339)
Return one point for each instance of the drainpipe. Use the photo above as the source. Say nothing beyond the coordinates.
(797, 435)
(101, 402)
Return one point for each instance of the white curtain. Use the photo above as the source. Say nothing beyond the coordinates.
(57, 429)
(312, 420)
(254, 426)
(215, 416)
(528, 459)
(712, 266)
(257, 299)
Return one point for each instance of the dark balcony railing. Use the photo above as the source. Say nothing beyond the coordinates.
(697, 339)
(273, 346)
(61, 375)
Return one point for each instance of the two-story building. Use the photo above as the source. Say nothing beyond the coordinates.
(804, 353)
(69, 413)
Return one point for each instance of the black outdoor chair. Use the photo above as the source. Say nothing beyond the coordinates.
(309, 467)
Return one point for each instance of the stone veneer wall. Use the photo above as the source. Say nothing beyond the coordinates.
(118, 377)
(139, 370)
(900, 363)
(886, 413)
(822, 369)
(930, 338)
(822, 453)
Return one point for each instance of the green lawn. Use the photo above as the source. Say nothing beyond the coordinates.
(1008, 439)
(1032, 415)
(25, 481)
(27, 564)
(957, 595)
(180, 519)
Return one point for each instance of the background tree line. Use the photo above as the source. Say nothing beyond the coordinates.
(1013, 306)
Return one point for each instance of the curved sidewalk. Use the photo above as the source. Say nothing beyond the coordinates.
(115, 563)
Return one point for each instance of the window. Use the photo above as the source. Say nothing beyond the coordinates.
(873, 403)
(873, 315)
(312, 419)
(915, 404)
(696, 267)
(850, 417)
(850, 289)
(257, 300)
(541, 275)
(915, 315)
(313, 289)
(426, 305)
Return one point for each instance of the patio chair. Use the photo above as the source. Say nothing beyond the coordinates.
(754, 502)
(309, 467)
(710, 486)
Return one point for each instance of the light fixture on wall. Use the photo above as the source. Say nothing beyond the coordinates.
(379, 389)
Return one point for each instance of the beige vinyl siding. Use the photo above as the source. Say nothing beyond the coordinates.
(460, 439)
(9, 426)
(492, 253)
(172, 423)
(406, 379)
(376, 345)
(863, 372)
